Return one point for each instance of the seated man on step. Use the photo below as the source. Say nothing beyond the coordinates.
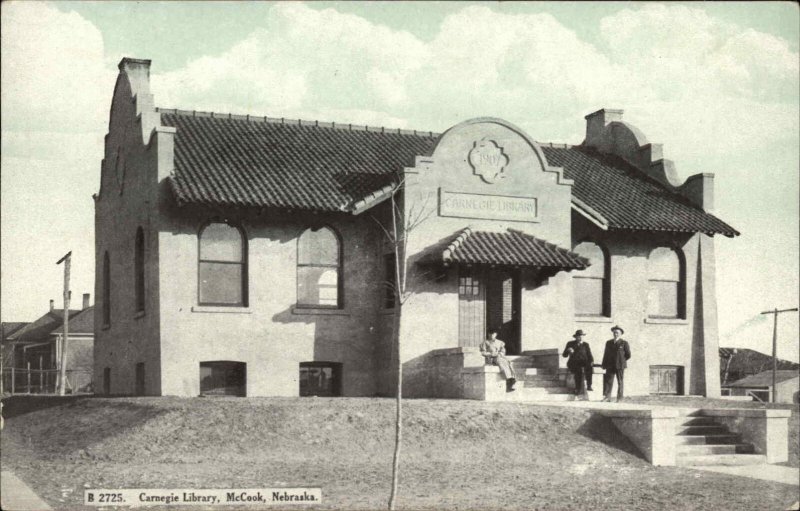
(495, 352)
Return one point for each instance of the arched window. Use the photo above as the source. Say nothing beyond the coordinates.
(319, 269)
(666, 290)
(138, 268)
(592, 286)
(222, 266)
(106, 290)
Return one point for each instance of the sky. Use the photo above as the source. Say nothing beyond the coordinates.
(716, 83)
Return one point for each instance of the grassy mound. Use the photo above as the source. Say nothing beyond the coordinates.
(457, 454)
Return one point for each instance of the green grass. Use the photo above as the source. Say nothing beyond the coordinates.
(457, 454)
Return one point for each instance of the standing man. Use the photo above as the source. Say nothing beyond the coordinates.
(494, 351)
(580, 363)
(615, 360)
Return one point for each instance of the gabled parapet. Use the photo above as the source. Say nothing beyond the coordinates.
(138, 73)
(607, 133)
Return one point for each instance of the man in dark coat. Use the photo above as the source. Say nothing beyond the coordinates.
(580, 363)
(615, 360)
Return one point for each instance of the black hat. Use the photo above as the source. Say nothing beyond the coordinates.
(615, 327)
(579, 332)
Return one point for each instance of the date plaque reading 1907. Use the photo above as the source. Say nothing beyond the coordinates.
(490, 207)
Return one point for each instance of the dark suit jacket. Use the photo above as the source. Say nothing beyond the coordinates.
(616, 356)
(581, 356)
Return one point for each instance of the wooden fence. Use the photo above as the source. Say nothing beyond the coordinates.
(45, 381)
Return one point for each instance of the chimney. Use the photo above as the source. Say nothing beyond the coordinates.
(52, 305)
(85, 300)
(138, 72)
(596, 123)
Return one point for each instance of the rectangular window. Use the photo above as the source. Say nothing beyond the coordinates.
(223, 378)
(320, 379)
(662, 299)
(588, 296)
(107, 381)
(666, 380)
(221, 283)
(389, 281)
(140, 379)
(317, 286)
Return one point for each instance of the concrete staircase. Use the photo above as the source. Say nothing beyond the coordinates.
(703, 440)
(539, 378)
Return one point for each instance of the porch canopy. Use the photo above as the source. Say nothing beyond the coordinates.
(511, 248)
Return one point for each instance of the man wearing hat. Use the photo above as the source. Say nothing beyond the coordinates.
(615, 360)
(580, 363)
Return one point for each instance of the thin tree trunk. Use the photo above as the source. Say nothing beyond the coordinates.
(398, 430)
(400, 289)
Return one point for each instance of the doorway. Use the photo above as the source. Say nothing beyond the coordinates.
(502, 307)
(489, 298)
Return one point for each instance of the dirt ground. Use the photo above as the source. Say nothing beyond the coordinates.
(457, 454)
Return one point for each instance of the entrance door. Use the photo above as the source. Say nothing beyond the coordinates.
(471, 307)
(502, 307)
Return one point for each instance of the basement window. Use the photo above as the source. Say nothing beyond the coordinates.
(223, 378)
(322, 379)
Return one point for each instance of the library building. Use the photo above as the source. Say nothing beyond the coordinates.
(263, 256)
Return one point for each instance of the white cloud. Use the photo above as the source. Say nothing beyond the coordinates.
(52, 70)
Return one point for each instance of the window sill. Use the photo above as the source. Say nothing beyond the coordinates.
(593, 319)
(666, 321)
(138, 315)
(222, 310)
(318, 311)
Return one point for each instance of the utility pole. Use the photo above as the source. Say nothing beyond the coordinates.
(62, 380)
(775, 346)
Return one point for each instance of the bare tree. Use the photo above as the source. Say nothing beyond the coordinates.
(403, 224)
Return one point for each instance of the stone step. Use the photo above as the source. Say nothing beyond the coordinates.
(539, 371)
(699, 421)
(726, 438)
(721, 459)
(697, 450)
(542, 383)
(703, 430)
(541, 377)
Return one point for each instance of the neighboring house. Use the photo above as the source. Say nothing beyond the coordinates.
(737, 363)
(37, 347)
(6, 329)
(247, 255)
(787, 385)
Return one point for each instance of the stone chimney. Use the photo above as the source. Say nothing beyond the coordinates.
(52, 305)
(138, 72)
(86, 297)
(596, 123)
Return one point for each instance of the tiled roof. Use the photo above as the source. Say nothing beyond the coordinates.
(511, 248)
(764, 379)
(234, 160)
(627, 198)
(241, 161)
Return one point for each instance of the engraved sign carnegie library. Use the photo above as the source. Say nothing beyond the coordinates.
(492, 207)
